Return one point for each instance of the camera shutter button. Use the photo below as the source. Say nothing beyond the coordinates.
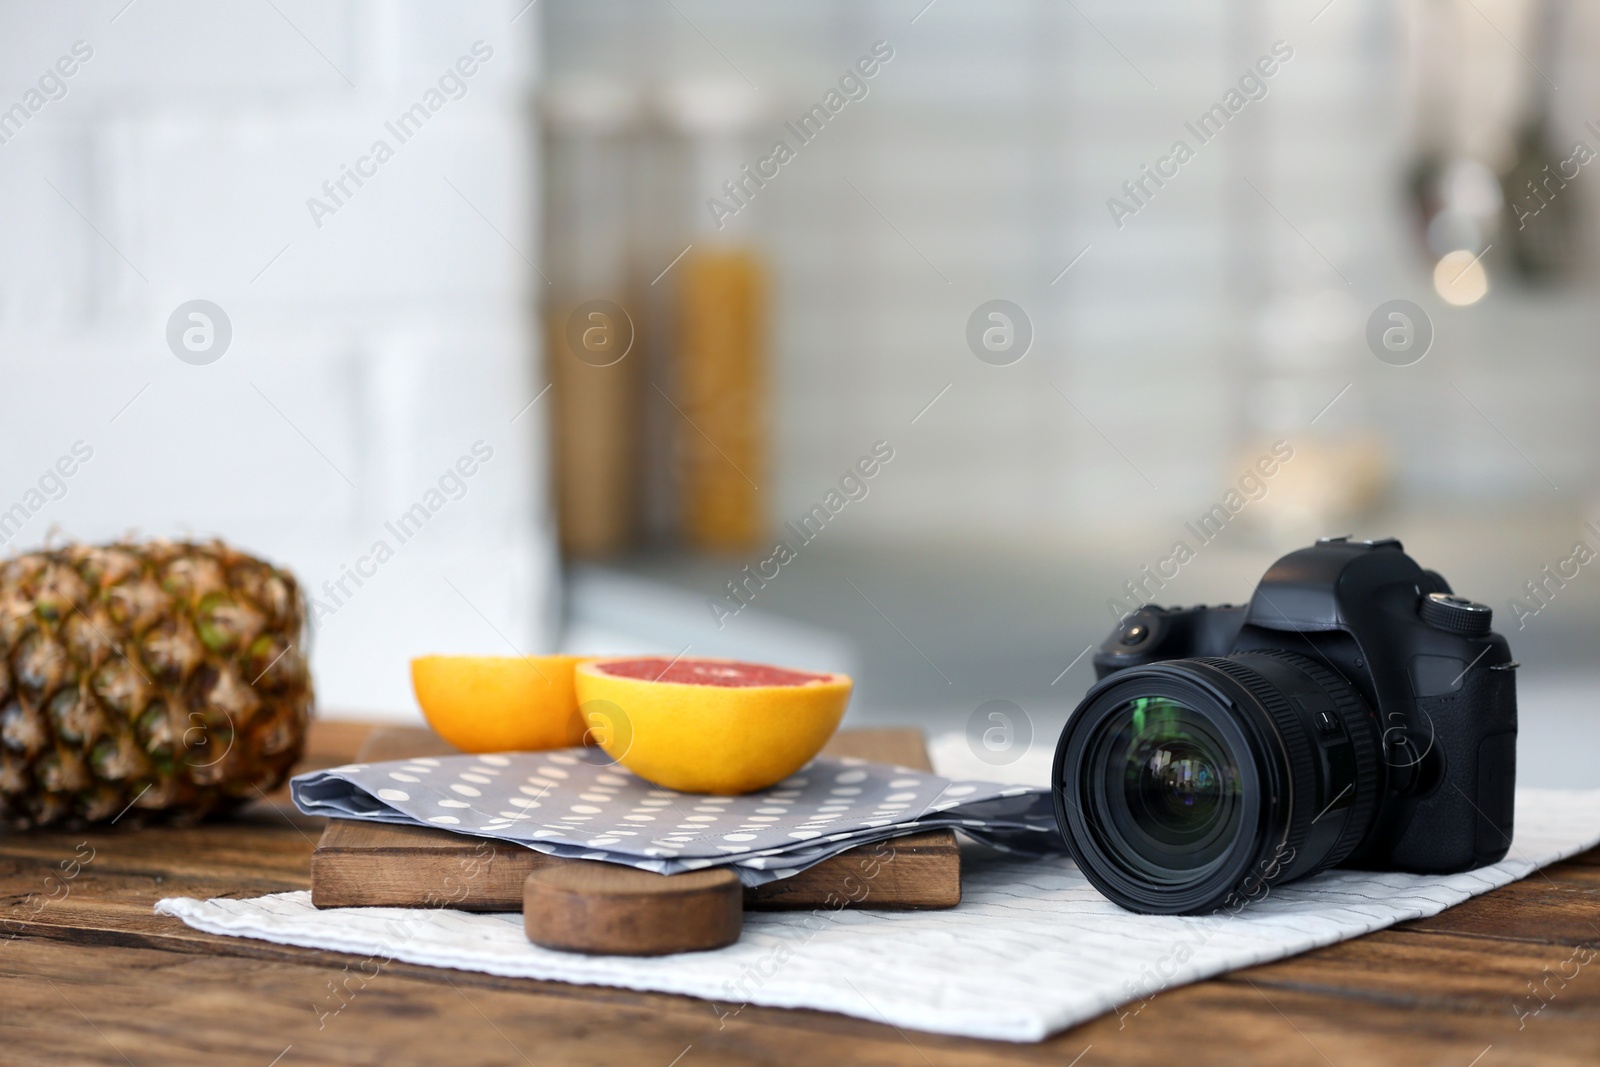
(1456, 614)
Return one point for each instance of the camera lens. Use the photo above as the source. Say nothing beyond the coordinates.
(1173, 784)
(1186, 785)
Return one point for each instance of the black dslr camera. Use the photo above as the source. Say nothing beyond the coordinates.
(1355, 713)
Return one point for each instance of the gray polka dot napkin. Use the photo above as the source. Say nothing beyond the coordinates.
(577, 803)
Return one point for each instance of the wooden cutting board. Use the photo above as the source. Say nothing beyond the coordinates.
(368, 864)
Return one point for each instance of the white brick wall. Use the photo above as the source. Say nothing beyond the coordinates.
(389, 340)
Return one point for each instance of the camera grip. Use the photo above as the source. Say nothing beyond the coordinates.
(1465, 820)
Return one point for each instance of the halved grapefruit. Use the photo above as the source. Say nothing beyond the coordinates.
(709, 725)
(499, 703)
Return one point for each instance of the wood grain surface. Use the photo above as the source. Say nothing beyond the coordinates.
(364, 864)
(607, 909)
(88, 975)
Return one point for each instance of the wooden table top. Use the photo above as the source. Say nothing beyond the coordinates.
(88, 974)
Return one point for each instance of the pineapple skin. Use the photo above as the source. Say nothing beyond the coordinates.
(147, 680)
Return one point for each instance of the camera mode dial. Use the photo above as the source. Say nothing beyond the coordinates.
(1134, 633)
(1456, 614)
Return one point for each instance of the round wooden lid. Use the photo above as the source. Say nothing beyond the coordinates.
(609, 909)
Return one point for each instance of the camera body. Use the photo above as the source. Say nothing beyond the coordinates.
(1355, 676)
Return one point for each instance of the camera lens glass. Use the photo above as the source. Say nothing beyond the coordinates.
(1190, 785)
(1169, 784)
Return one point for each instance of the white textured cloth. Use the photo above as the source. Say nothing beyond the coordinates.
(1031, 949)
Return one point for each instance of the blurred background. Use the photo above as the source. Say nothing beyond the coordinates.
(906, 338)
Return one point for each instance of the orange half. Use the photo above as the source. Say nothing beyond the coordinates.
(499, 703)
(709, 725)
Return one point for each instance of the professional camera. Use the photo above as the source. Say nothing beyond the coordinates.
(1355, 713)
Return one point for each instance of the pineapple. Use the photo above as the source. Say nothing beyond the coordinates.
(150, 678)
